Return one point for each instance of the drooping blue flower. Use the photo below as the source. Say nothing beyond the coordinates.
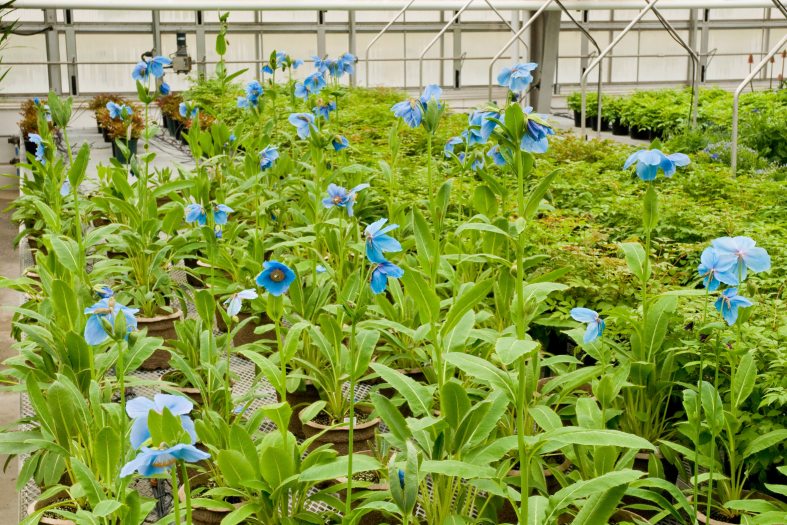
(339, 142)
(728, 303)
(378, 242)
(481, 126)
(311, 85)
(118, 111)
(138, 409)
(196, 213)
(649, 161)
(220, 212)
(382, 271)
(412, 110)
(496, 156)
(156, 65)
(714, 270)
(336, 67)
(297, 63)
(140, 72)
(235, 301)
(448, 150)
(323, 109)
(346, 63)
(478, 164)
(153, 461)
(517, 77)
(267, 69)
(65, 189)
(432, 92)
(535, 139)
(254, 91)
(275, 277)
(303, 123)
(595, 324)
(320, 268)
(243, 102)
(187, 110)
(743, 254)
(164, 89)
(36, 139)
(268, 156)
(106, 309)
(103, 291)
(341, 198)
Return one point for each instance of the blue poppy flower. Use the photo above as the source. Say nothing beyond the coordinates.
(320, 268)
(481, 126)
(118, 111)
(518, 77)
(595, 324)
(297, 63)
(412, 110)
(478, 164)
(382, 271)
(36, 139)
(254, 91)
(138, 409)
(448, 150)
(65, 189)
(311, 85)
(649, 161)
(243, 102)
(103, 291)
(743, 254)
(715, 271)
(346, 63)
(267, 69)
(378, 242)
(164, 89)
(275, 277)
(36, 101)
(303, 123)
(268, 156)
(339, 142)
(334, 67)
(196, 213)
(535, 139)
(341, 198)
(235, 301)
(218, 232)
(140, 72)
(106, 309)
(432, 92)
(323, 109)
(401, 478)
(153, 461)
(232, 137)
(220, 212)
(728, 303)
(496, 156)
(156, 65)
(187, 110)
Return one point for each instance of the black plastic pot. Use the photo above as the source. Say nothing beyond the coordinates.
(618, 128)
(105, 134)
(640, 134)
(590, 122)
(604, 124)
(118, 154)
(164, 121)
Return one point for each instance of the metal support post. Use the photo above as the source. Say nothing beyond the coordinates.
(704, 40)
(380, 34)
(202, 69)
(321, 47)
(352, 44)
(258, 47)
(544, 49)
(456, 79)
(71, 53)
(53, 53)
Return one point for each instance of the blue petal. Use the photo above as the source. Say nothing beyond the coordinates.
(379, 281)
(177, 405)
(94, 331)
(139, 432)
(757, 259)
(139, 407)
(584, 315)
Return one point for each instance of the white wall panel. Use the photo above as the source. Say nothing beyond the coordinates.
(115, 49)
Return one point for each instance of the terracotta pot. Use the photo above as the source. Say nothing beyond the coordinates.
(298, 400)
(192, 393)
(246, 334)
(626, 515)
(339, 437)
(160, 326)
(38, 505)
(202, 515)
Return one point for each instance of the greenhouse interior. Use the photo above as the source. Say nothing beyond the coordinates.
(419, 262)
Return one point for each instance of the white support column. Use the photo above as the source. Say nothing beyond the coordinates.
(202, 56)
(53, 52)
(71, 53)
(456, 77)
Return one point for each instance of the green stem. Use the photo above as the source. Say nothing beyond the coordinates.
(227, 378)
(120, 372)
(524, 470)
(175, 496)
(187, 491)
(283, 366)
(520, 249)
(351, 429)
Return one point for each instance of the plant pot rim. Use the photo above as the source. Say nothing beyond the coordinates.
(362, 426)
(646, 455)
(33, 507)
(182, 498)
(177, 314)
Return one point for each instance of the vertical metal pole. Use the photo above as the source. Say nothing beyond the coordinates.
(584, 46)
(53, 52)
(442, 51)
(155, 18)
(258, 47)
(516, 55)
(456, 81)
(544, 49)
(692, 43)
(766, 39)
(704, 39)
(321, 33)
(71, 53)
(202, 56)
(404, 48)
(352, 39)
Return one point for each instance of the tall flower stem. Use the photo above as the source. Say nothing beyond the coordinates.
(120, 372)
(227, 378)
(524, 468)
(520, 248)
(187, 491)
(175, 496)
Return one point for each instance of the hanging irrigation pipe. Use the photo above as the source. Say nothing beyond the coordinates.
(584, 79)
(445, 28)
(380, 34)
(736, 97)
(695, 68)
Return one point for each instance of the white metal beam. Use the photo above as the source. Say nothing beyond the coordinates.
(373, 5)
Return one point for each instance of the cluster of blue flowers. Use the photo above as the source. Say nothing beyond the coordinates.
(378, 242)
(253, 93)
(336, 67)
(283, 61)
(727, 261)
(412, 110)
(150, 67)
(119, 111)
(196, 213)
(160, 458)
(104, 313)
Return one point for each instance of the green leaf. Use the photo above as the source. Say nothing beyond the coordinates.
(600, 507)
(482, 370)
(457, 337)
(267, 368)
(339, 467)
(234, 467)
(424, 241)
(87, 481)
(636, 260)
(584, 436)
(760, 443)
(743, 380)
(469, 298)
(425, 298)
(76, 172)
(67, 252)
(392, 418)
(205, 305)
(106, 507)
(311, 411)
(537, 194)
(64, 301)
(712, 407)
(107, 453)
(458, 469)
(239, 515)
(510, 349)
(418, 396)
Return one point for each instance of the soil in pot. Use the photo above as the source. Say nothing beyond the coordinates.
(306, 394)
(338, 437)
(48, 517)
(163, 325)
(205, 516)
(246, 334)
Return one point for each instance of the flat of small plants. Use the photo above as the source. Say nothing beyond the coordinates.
(466, 319)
